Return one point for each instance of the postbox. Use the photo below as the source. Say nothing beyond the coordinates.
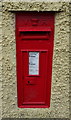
(34, 53)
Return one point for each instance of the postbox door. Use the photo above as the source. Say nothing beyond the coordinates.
(35, 72)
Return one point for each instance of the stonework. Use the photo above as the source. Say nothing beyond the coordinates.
(60, 72)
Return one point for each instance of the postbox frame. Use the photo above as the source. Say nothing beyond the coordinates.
(20, 105)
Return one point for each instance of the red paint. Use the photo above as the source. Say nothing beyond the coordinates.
(34, 32)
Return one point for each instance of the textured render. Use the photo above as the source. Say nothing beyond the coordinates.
(0, 60)
(60, 76)
(70, 59)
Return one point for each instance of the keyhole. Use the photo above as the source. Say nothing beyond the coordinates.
(28, 81)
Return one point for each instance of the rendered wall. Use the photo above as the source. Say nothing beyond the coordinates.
(60, 76)
(0, 59)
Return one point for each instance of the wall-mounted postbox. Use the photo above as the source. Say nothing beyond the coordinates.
(34, 51)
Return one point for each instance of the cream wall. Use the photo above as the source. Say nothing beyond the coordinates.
(0, 60)
(60, 76)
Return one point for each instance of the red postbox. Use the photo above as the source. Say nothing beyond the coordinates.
(34, 51)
